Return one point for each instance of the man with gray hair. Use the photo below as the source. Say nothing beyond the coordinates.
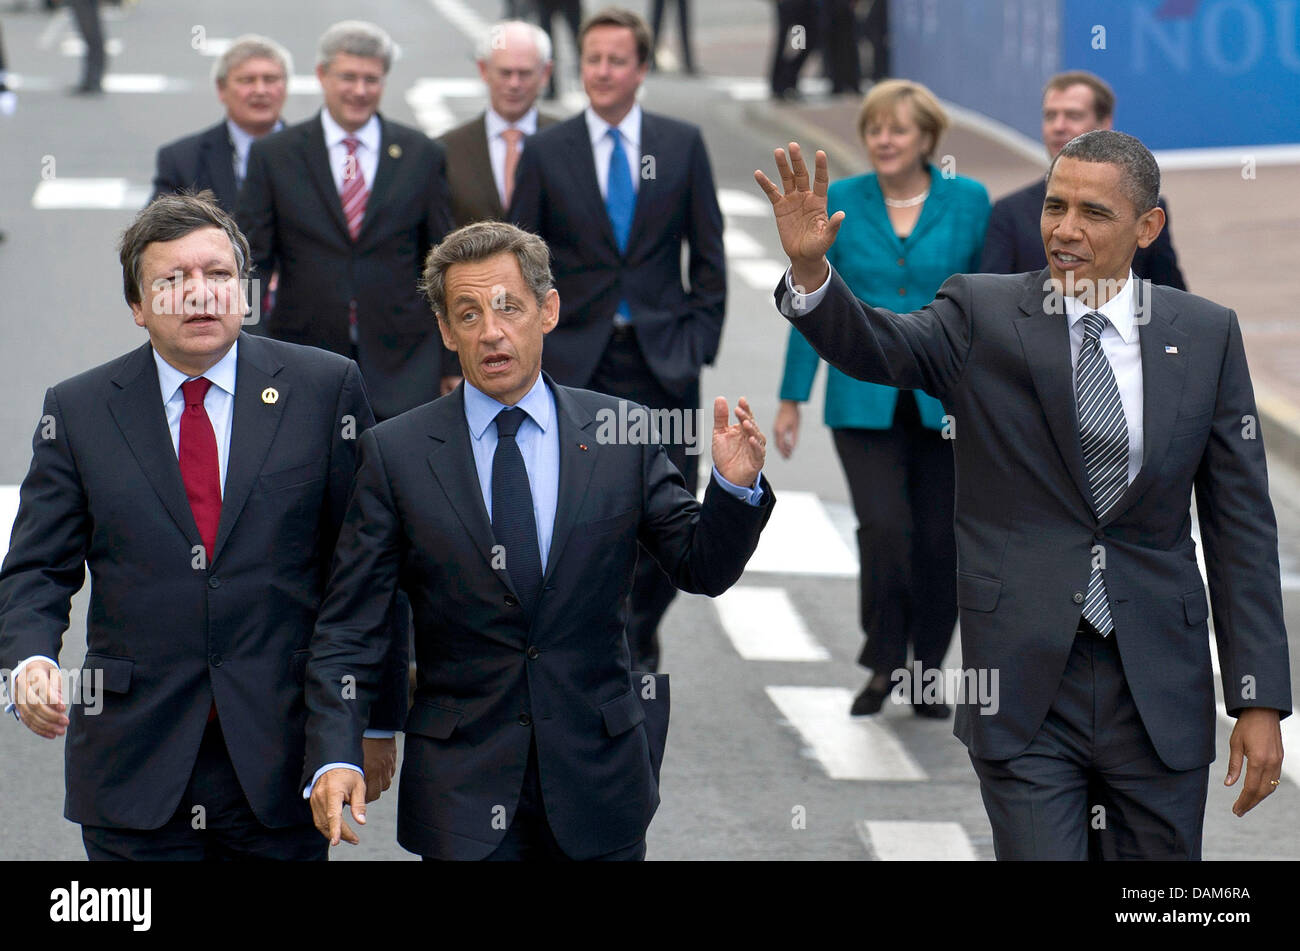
(1087, 407)
(514, 59)
(345, 206)
(252, 80)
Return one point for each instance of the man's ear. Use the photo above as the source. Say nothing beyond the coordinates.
(1150, 225)
(137, 312)
(448, 340)
(550, 310)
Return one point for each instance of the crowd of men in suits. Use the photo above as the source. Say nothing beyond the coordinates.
(301, 487)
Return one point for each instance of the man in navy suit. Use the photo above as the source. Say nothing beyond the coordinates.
(252, 79)
(1089, 406)
(346, 206)
(616, 192)
(510, 511)
(202, 478)
(1073, 103)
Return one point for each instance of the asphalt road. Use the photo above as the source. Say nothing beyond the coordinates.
(762, 762)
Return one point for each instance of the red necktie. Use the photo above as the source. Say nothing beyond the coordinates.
(200, 472)
(354, 192)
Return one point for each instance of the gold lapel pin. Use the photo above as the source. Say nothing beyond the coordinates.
(395, 151)
(270, 395)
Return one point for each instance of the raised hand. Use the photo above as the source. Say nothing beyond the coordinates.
(739, 449)
(800, 210)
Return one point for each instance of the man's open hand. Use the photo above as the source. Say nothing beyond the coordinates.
(739, 449)
(332, 790)
(805, 230)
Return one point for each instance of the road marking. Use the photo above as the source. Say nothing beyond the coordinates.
(737, 203)
(89, 193)
(917, 841)
(846, 748)
(762, 274)
(763, 625)
(801, 539)
(428, 97)
(739, 244)
(461, 17)
(144, 83)
(8, 512)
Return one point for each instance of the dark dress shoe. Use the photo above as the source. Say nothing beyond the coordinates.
(868, 701)
(932, 711)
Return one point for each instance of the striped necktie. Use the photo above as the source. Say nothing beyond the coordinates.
(1103, 434)
(355, 193)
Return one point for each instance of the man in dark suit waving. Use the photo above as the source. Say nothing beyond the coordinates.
(510, 511)
(202, 477)
(616, 192)
(252, 79)
(1087, 408)
(346, 205)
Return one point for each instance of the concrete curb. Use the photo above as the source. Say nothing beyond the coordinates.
(1279, 417)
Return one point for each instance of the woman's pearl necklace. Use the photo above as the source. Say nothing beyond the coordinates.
(908, 202)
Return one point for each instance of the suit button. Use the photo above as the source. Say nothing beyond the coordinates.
(214, 582)
(215, 660)
(900, 262)
(534, 653)
(525, 719)
(1078, 597)
(512, 601)
(1098, 535)
(902, 292)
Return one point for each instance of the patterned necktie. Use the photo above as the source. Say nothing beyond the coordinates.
(1103, 434)
(514, 138)
(199, 467)
(620, 202)
(354, 194)
(513, 523)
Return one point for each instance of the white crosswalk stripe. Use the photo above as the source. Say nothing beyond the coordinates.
(89, 194)
(8, 512)
(764, 625)
(801, 539)
(847, 748)
(917, 841)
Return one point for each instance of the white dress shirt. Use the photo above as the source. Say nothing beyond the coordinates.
(1119, 341)
(367, 152)
(243, 141)
(527, 124)
(602, 147)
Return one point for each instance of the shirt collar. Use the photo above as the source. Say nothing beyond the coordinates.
(527, 123)
(368, 134)
(221, 373)
(242, 140)
(481, 409)
(630, 127)
(1119, 310)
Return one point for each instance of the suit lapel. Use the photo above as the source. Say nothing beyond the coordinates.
(1163, 375)
(452, 462)
(583, 164)
(390, 158)
(252, 429)
(934, 208)
(477, 156)
(647, 191)
(137, 407)
(316, 158)
(1045, 337)
(219, 163)
(577, 461)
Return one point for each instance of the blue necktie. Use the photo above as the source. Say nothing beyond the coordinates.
(513, 523)
(620, 202)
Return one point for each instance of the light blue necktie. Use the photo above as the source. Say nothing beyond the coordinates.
(620, 203)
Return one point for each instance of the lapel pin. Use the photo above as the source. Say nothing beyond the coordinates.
(1169, 349)
(395, 151)
(270, 395)
(582, 446)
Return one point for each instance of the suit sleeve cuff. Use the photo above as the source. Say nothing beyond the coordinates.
(378, 734)
(796, 303)
(12, 706)
(306, 793)
(752, 495)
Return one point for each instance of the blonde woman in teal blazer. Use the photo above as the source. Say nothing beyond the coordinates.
(894, 445)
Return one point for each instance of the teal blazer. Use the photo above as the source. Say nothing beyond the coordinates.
(898, 275)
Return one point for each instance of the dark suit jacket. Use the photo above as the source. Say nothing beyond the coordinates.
(199, 161)
(487, 679)
(170, 638)
(469, 171)
(558, 197)
(1013, 243)
(290, 211)
(996, 351)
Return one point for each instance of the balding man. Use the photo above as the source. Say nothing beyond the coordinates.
(252, 80)
(514, 59)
